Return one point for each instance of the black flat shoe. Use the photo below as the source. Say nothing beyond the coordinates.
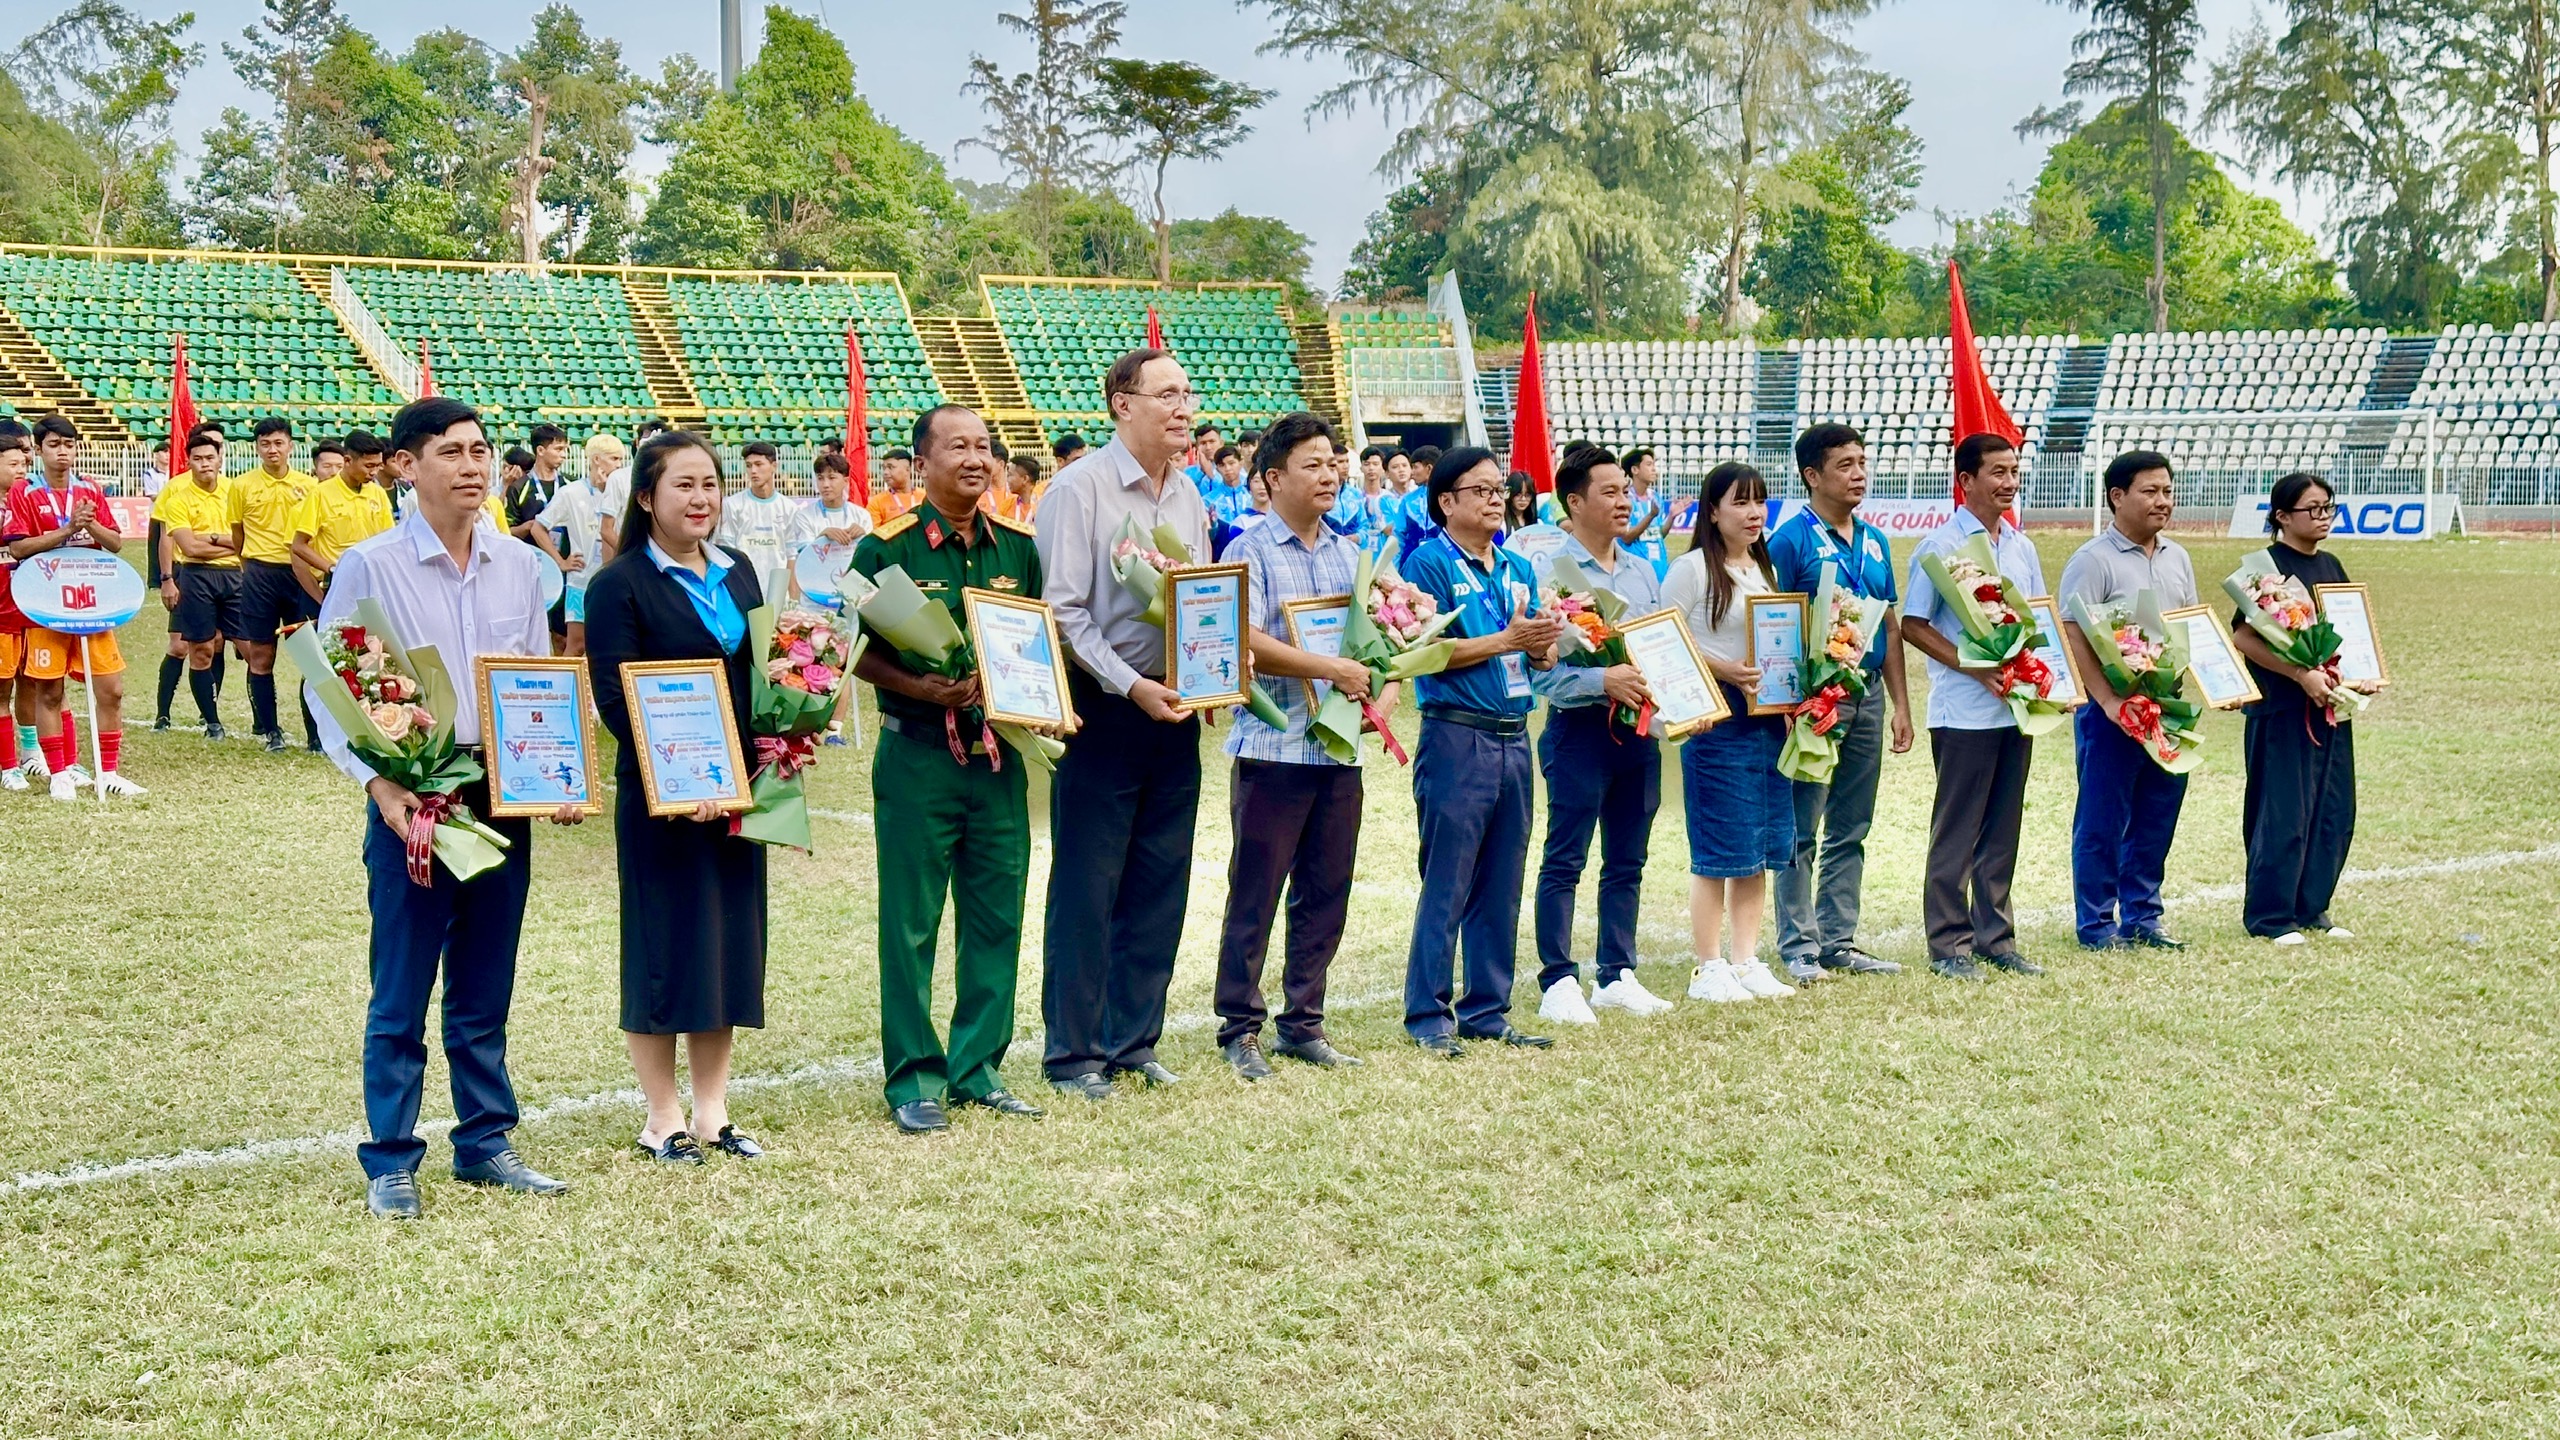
(1517, 1038)
(1092, 1085)
(1005, 1102)
(1318, 1051)
(1957, 967)
(2013, 962)
(1444, 1046)
(392, 1197)
(2154, 940)
(921, 1117)
(506, 1170)
(1152, 1073)
(733, 1143)
(677, 1149)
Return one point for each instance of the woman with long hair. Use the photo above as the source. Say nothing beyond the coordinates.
(1742, 812)
(1519, 502)
(2298, 810)
(693, 895)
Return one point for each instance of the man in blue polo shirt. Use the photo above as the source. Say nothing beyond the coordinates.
(1818, 891)
(1471, 775)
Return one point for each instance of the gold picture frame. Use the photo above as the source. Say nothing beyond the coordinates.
(973, 602)
(2048, 617)
(1756, 605)
(1687, 697)
(2361, 607)
(2224, 681)
(1290, 611)
(740, 797)
(484, 672)
(1185, 577)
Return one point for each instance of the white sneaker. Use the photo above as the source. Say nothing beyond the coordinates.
(118, 785)
(1754, 976)
(1563, 1003)
(2291, 937)
(1713, 980)
(1628, 994)
(2341, 932)
(65, 788)
(79, 774)
(13, 779)
(32, 767)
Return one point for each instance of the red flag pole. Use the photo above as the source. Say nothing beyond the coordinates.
(1530, 449)
(1155, 330)
(1977, 406)
(857, 418)
(426, 372)
(182, 405)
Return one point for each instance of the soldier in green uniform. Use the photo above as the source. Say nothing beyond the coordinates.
(948, 799)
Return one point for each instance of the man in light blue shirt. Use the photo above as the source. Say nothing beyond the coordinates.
(1981, 757)
(1600, 774)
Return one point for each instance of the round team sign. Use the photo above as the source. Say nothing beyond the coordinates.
(76, 591)
(554, 583)
(820, 568)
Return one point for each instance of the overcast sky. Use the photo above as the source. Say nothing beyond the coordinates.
(1974, 66)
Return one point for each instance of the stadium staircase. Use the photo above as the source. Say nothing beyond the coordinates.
(1493, 390)
(1774, 403)
(2403, 363)
(314, 276)
(2075, 400)
(974, 368)
(34, 383)
(661, 357)
(1320, 369)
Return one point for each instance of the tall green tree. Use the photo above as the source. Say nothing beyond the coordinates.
(276, 57)
(1819, 265)
(109, 78)
(1168, 110)
(1236, 246)
(1040, 122)
(2137, 50)
(43, 171)
(572, 103)
(1773, 58)
(2496, 69)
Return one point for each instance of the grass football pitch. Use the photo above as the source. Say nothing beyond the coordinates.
(2233, 1192)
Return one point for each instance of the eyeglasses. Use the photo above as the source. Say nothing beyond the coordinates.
(2316, 512)
(1171, 399)
(1478, 492)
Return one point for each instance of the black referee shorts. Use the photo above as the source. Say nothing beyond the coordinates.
(271, 600)
(208, 604)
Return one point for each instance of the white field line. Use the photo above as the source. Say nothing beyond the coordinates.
(852, 1070)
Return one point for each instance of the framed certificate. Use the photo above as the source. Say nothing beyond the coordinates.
(1316, 627)
(687, 734)
(2069, 690)
(1777, 647)
(2213, 659)
(1022, 669)
(537, 733)
(1206, 659)
(1686, 698)
(2349, 611)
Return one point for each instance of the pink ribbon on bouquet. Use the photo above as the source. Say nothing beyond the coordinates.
(1386, 735)
(420, 842)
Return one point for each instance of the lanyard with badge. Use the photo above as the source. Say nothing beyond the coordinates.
(57, 513)
(1488, 611)
(1848, 566)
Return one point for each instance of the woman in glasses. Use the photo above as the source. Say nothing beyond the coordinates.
(2298, 813)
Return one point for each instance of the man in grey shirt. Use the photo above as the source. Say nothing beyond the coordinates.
(2128, 809)
(1122, 806)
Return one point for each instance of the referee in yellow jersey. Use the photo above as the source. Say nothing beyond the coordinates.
(264, 502)
(201, 583)
(340, 511)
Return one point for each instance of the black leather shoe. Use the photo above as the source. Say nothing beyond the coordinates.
(1318, 1051)
(160, 726)
(1152, 1073)
(734, 1144)
(1517, 1038)
(1444, 1046)
(215, 731)
(1805, 972)
(506, 1170)
(677, 1149)
(275, 742)
(1005, 1102)
(1957, 967)
(1245, 1054)
(2113, 942)
(1093, 1085)
(1853, 961)
(2154, 940)
(392, 1197)
(2013, 962)
(921, 1117)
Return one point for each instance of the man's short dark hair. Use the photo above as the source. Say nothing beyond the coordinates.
(542, 435)
(518, 456)
(1974, 449)
(833, 444)
(1814, 446)
(923, 436)
(1452, 467)
(51, 426)
(1225, 454)
(1633, 458)
(328, 447)
(420, 421)
(1374, 452)
(831, 462)
(1573, 475)
(2123, 470)
(1067, 445)
(1122, 377)
(271, 425)
(14, 436)
(1426, 456)
(922, 429)
(764, 448)
(1387, 455)
(1283, 439)
(995, 443)
(1205, 427)
(364, 442)
(207, 432)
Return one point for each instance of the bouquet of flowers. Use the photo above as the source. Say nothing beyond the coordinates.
(1591, 613)
(925, 635)
(396, 706)
(806, 659)
(1393, 629)
(2282, 612)
(2145, 661)
(1832, 672)
(2000, 632)
(1139, 561)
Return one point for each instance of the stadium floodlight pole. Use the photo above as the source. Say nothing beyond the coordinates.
(732, 46)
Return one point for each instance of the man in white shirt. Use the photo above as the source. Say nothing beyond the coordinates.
(764, 524)
(576, 515)
(832, 516)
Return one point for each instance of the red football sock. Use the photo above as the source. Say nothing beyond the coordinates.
(110, 748)
(57, 750)
(8, 743)
(70, 739)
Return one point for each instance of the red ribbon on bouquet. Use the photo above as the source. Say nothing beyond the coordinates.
(2139, 717)
(986, 741)
(2027, 668)
(1386, 736)
(2328, 708)
(421, 839)
(1823, 708)
(786, 755)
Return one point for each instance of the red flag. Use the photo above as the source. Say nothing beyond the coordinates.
(1978, 410)
(426, 373)
(857, 418)
(1529, 448)
(182, 406)
(1155, 330)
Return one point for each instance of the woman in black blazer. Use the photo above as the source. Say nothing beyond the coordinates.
(693, 895)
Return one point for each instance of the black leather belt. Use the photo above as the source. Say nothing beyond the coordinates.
(1484, 720)
(923, 733)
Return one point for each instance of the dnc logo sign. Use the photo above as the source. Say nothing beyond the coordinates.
(2364, 517)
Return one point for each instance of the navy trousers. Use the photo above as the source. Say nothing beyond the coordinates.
(1472, 794)
(1604, 781)
(468, 932)
(2120, 834)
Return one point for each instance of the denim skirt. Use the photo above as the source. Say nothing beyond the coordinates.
(1742, 812)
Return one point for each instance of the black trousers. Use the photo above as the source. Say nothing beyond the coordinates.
(1973, 841)
(2297, 817)
(1121, 811)
(1298, 825)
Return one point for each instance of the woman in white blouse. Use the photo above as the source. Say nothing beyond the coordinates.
(1742, 814)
